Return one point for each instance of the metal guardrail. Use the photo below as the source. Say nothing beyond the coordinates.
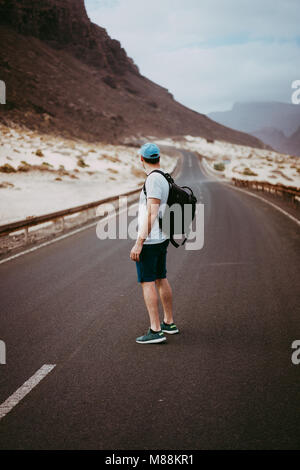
(31, 221)
(58, 215)
(291, 194)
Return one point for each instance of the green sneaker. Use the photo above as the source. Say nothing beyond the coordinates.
(150, 337)
(170, 329)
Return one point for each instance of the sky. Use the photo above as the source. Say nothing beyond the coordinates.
(209, 53)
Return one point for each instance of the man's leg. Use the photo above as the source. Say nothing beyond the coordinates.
(165, 293)
(151, 301)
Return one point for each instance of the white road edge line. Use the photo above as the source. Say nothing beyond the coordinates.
(61, 237)
(19, 394)
(251, 194)
(267, 202)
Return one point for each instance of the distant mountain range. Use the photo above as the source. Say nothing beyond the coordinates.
(278, 140)
(65, 75)
(276, 124)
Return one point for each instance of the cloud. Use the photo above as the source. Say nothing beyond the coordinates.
(213, 78)
(209, 53)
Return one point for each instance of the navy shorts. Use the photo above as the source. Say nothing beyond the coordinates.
(152, 264)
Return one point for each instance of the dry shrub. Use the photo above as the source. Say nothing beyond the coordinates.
(110, 158)
(137, 172)
(81, 163)
(24, 167)
(63, 172)
(219, 166)
(6, 184)
(249, 172)
(7, 168)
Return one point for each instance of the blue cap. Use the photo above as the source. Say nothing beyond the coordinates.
(150, 151)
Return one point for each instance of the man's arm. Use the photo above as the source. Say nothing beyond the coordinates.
(152, 211)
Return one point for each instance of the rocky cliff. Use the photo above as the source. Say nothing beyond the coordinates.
(65, 24)
(65, 75)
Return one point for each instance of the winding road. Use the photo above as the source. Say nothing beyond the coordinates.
(225, 382)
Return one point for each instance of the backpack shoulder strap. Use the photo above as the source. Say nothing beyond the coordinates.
(175, 243)
(167, 176)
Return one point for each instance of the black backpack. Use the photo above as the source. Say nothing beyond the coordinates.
(181, 196)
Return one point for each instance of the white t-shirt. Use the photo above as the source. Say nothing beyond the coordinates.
(157, 187)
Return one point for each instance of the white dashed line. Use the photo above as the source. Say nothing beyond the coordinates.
(19, 394)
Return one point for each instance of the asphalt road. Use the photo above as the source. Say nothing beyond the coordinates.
(225, 382)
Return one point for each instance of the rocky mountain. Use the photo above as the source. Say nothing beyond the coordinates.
(65, 75)
(293, 143)
(273, 123)
(279, 141)
(64, 24)
(273, 137)
(251, 117)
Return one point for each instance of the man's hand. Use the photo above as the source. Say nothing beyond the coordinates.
(136, 250)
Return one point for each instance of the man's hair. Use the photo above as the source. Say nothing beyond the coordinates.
(152, 160)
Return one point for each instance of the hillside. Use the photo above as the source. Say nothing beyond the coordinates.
(293, 143)
(273, 137)
(65, 75)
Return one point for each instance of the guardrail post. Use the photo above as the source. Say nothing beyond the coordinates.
(92, 212)
(291, 194)
(26, 235)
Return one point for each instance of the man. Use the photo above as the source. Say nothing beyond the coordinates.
(150, 249)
